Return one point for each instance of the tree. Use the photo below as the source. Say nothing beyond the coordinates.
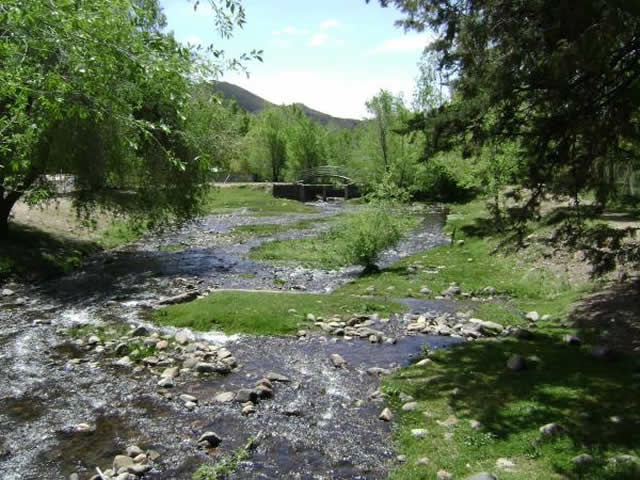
(562, 78)
(268, 143)
(381, 107)
(304, 141)
(94, 88)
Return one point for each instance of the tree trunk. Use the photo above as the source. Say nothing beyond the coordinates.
(6, 204)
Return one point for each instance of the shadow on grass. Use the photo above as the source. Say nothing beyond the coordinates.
(567, 385)
(32, 254)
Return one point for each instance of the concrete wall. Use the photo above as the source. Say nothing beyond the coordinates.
(308, 193)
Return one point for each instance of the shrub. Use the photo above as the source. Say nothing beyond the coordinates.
(367, 233)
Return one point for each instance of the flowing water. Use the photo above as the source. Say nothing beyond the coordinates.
(320, 425)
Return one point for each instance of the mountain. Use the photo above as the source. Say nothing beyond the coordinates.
(253, 103)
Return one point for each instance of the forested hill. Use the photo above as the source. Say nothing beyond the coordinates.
(253, 103)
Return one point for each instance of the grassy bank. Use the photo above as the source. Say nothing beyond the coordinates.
(352, 233)
(476, 262)
(264, 313)
(595, 399)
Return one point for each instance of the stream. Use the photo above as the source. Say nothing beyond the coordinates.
(65, 409)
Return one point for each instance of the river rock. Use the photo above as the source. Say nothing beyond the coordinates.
(124, 362)
(122, 461)
(133, 451)
(386, 415)
(444, 475)
(204, 367)
(182, 337)
(162, 345)
(423, 362)
(423, 461)
(210, 438)
(7, 292)
(293, 410)
(419, 432)
(248, 409)
(266, 382)
(404, 397)
(425, 291)
(482, 476)
(451, 291)
(245, 395)
(139, 469)
(152, 361)
(188, 398)
(83, 428)
(582, 459)
(140, 332)
(571, 340)
(182, 298)
(376, 371)
(170, 372)
(409, 407)
(532, 316)
(167, 382)
(337, 360)
(93, 340)
(515, 363)
(551, 429)
(224, 397)
(121, 349)
(262, 391)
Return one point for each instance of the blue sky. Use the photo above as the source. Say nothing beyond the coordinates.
(331, 55)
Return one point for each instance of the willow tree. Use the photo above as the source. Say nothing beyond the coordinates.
(96, 89)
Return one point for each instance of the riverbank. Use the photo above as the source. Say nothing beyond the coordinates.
(550, 400)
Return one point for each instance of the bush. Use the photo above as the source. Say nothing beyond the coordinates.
(366, 234)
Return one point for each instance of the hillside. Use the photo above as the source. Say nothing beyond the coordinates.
(253, 103)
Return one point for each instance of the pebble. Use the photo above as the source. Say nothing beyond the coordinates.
(188, 398)
(167, 382)
(224, 397)
(582, 459)
(423, 461)
(386, 415)
(516, 363)
(171, 372)
(409, 407)
(533, 316)
(419, 432)
(444, 475)
(7, 292)
(571, 340)
(122, 461)
(552, 429)
(162, 345)
(505, 463)
(140, 332)
(475, 424)
(482, 476)
(210, 438)
(337, 360)
(276, 377)
(133, 451)
(182, 337)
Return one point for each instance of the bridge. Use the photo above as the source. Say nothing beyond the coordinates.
(319, 182)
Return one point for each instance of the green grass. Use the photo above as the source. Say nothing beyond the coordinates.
(567, 386)
(476, 265)
(254, 199)
(263, 313)
(121, 232)
(327, 250)
(275, 228)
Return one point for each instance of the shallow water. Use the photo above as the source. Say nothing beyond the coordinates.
(49, 383)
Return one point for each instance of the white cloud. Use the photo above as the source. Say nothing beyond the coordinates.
(406, 43)
(332, 92)
(291, 30)
(331, 23)
(281, 42)
(318, 39)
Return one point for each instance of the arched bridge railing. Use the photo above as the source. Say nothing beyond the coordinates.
(325, 171)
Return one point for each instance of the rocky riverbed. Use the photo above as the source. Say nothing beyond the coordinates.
(78, 392)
